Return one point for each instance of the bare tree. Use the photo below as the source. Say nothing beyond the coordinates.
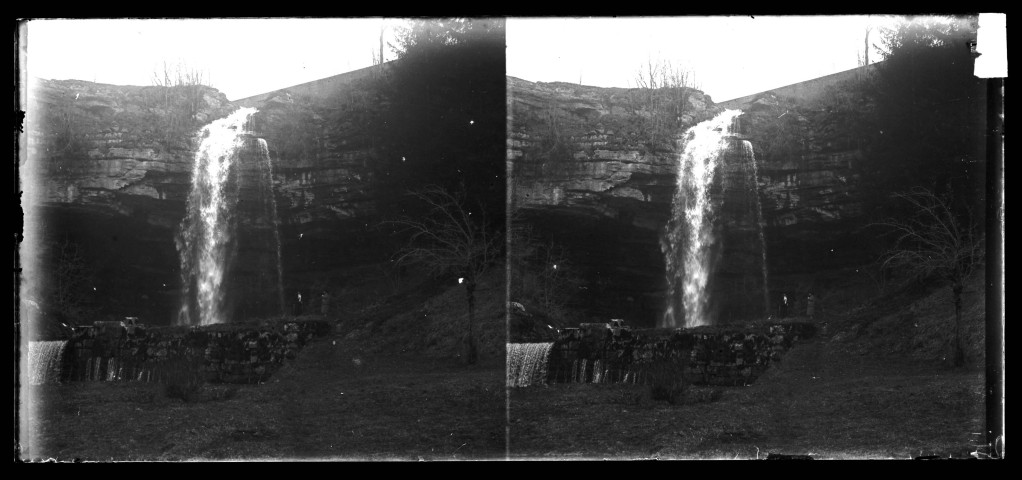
(452, 239)
(541, 270)
(665, 88)
(71, 275)
(863, 58)
(934, 241)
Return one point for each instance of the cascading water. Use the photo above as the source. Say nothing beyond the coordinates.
(527, 363)
(44, 361)
(272, 207)
(689, 237)
(205, 240)
(753, 182)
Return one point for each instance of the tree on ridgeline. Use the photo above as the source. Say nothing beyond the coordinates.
(928, 114)
(666, 88)
(934, 241)
(452, 240)
(443, 122)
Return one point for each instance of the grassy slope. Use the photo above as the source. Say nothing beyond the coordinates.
(434, 326)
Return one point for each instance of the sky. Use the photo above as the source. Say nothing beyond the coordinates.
(240, 57)
(730, 56)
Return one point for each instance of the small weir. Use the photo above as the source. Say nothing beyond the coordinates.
(527, 363)
(46, 362)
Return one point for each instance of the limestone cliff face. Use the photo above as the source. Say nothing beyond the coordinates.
(110, 148)
(110, 169)
(808, 184)
(593, 150)
(591, 168)
(114, 167)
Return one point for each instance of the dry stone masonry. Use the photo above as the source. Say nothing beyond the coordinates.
(108, 351)
(733, 355)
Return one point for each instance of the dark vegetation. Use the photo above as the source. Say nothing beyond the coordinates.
(665, 90)
(173, 107)
(67, 297)
(912, 132)
(543, 286)
(934, 242)
(444, 120)
(450, 243)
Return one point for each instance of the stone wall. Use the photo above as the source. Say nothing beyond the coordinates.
(735, 355)
(108, 351)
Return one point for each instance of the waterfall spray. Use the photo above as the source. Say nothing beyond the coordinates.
(44, 361)
(205, 242)
(760, 229)
(527, 363)
(689, 238)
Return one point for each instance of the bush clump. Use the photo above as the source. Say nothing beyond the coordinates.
(666, 380)
(182, 378)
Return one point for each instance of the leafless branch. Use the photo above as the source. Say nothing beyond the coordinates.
(933, 240)
(449, 237)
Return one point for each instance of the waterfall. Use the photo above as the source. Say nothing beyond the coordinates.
(205, 239)
(276, 222)
(44, 361)
(689, 237)
(754, 183)
(527, 363)
(747, 209)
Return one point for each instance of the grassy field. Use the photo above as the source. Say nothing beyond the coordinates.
(388, 384)
(874, 383)
(329, 404)
(819, 401)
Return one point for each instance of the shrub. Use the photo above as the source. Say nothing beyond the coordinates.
(228, 393)
(182, 378)
(666, 379)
